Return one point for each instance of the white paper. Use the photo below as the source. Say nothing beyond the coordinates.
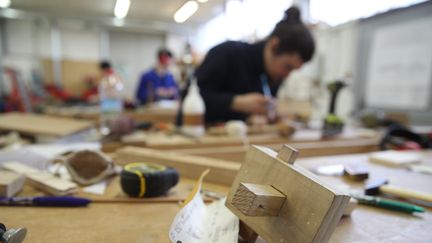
(196, 222)
(25, 156)
(400, 66)
(53, 150)
(98, 188)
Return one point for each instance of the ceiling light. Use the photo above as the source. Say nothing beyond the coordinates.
(121, 8)
(185, 11)
(5, 3)
(202, 1)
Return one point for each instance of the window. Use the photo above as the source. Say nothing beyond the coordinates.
(334, 12)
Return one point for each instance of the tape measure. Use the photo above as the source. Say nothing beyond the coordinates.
(147, 180)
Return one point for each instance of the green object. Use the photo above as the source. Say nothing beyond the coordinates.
(332, 118)
(388, 204)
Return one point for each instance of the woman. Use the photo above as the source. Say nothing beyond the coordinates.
(236, 78)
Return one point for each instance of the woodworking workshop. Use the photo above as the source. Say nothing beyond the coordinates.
(215, 121)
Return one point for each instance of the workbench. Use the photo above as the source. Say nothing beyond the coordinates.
(39, 125)
(142, 114)
(150, 222)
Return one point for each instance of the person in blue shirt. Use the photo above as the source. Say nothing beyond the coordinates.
(158, 83)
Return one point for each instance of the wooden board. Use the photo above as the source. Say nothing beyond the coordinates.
(34, 124)
(160, 140)
(312, 208)
(91, 113)
(221, 171)
(306, 149)
(42, 180)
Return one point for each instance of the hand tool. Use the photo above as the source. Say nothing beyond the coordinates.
(12, 235)
(147, 180)
(388, 204)
(333, 124)
(379, 186)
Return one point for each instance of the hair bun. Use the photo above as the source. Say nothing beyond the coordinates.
(292, 15)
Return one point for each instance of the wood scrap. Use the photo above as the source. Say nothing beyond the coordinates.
(10, 183)
(43, 181)
(395, 158)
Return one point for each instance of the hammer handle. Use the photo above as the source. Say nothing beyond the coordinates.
(406, 193)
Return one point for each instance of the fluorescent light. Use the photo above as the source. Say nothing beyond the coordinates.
(185, 11)
(121, 8)
(202, 1)
(5, 3)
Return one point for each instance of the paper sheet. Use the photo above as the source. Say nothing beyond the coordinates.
(197, 222)
(52, 150)
(98, 188)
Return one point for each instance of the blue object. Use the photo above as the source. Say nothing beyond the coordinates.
(45, 201)
(150, 82)
(265, 85)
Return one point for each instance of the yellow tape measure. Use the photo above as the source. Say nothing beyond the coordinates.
(147, 180)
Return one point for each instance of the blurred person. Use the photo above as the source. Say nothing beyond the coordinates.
(236, 78)
(91, 93)
(158, 83)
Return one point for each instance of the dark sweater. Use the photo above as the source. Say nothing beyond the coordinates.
(229, 69)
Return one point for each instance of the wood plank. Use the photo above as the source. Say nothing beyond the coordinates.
(160, 140)
(306, 149)
(222, 171)
(42, 180)
(10, 183)
(35, 124)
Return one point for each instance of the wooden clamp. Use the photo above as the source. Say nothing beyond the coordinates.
(282, 202)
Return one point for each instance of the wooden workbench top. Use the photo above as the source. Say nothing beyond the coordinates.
(369, 224)
(150, 222)
(100, 222)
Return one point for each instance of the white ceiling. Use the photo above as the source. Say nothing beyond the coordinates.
(140, 10)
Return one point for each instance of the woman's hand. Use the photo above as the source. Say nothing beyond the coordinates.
(250, 103)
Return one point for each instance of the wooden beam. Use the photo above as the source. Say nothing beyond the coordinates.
(306, 149)
(222, 171)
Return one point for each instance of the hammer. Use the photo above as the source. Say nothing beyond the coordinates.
(379, 186)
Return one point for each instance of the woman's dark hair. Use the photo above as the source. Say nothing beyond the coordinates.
(294, 36)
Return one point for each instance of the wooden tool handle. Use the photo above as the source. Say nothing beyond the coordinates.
(406, 193)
